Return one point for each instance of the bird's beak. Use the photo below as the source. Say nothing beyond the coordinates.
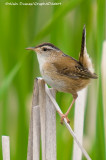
(31, 48)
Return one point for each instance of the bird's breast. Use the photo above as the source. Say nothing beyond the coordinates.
(42, 62)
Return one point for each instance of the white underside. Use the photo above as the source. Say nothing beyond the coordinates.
(57, 84)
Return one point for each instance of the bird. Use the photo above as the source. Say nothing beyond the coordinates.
(64, 73)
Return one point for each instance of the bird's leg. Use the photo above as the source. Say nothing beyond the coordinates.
(62, 117)
(66, 114)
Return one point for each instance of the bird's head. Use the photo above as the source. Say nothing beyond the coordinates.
(45, 50)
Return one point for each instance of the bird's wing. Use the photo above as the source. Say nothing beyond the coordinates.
(70, 67)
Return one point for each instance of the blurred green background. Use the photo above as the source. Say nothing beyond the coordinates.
(25, 26)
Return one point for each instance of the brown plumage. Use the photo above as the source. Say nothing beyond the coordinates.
(63, 72)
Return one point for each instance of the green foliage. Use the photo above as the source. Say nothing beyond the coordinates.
(23, 26)
(9, 78)
(100, 132)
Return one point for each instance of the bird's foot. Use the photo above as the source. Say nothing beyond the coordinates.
(62, 118)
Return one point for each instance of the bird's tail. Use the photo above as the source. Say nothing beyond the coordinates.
(84, 58)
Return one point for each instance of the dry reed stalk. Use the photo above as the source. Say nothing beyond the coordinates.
(34, 120)
(6, 147)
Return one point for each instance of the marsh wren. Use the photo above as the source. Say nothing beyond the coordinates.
(63, 72)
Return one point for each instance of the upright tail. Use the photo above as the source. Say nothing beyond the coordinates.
(84, 58)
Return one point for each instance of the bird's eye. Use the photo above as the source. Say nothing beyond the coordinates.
(44, 49)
